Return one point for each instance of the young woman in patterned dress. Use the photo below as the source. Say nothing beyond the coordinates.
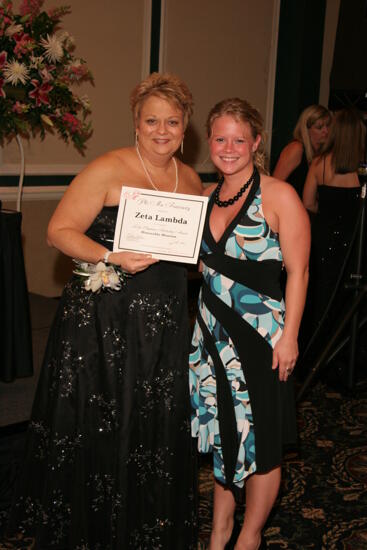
(244, 345)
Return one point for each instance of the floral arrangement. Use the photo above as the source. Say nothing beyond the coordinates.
(37, 72)
(100, 276)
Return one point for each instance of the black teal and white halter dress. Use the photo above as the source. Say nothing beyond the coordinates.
(241, 411)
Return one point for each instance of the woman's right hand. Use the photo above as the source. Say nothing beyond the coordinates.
(132, 262)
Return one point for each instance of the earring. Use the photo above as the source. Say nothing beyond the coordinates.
(181, 148)
(136, 138)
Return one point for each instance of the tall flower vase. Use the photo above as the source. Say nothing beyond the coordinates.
(21, 174)
(15, 325)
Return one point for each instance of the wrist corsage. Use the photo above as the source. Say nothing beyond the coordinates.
(100, 276)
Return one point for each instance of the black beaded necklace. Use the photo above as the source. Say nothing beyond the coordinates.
(232, 200)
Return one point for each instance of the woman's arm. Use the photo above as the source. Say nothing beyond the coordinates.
(289, 159)
(294, 236)
(82, 201)
(309, 196)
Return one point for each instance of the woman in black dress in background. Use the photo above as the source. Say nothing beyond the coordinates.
(108, 459)
(332, 192)
(309, 135)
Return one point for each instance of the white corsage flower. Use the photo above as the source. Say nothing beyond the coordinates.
(100, 276)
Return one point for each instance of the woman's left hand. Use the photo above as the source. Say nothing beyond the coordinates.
(285, 354)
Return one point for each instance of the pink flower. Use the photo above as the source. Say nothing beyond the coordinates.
(71, 122)
(4, 22)
(2, 92)
(45, 74)
(19, 108)
(77, 71)
(3, 59)
(7, 7)
(31, 7)
(40, 92)
(23, 44)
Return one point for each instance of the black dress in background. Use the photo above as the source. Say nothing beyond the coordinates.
(109, 459)
(298, 177)
(332, 231)
(15, 324)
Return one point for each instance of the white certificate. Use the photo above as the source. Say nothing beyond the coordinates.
(167, 225)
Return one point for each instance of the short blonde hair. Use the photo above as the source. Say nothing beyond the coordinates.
(167, 86)
(307, 118)
(242, 111)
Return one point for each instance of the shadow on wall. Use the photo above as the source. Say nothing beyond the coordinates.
(191, 146)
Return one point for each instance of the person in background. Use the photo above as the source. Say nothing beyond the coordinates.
(309, 135)
(109, 463)
(244, 345)
(332, 193)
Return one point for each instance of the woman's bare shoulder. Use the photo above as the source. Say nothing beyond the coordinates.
(289, 158)
(294, 150)
(118, 159)
(281, 202)
(107, 167)
(277, 190)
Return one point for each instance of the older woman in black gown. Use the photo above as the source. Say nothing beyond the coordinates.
(108, 461)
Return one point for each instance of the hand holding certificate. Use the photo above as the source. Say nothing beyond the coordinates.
(167, 225)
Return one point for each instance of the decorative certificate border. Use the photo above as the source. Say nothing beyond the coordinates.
(169, 226)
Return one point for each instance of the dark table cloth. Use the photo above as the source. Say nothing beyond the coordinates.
(15, 326)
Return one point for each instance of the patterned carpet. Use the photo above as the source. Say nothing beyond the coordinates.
(323, 499)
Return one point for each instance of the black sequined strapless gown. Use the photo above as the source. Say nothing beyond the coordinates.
(108, 460)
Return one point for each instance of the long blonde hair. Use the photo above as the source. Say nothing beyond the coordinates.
(307, 118)
(242, 111)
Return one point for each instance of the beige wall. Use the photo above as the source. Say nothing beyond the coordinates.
(221, 49)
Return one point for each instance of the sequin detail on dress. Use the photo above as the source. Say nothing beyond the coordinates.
(151, 464)
(158, 312)
(64, 374)
(79, 304)
(155, 392)
(56, 516)
(150, 537)
(115, 350)
(107, 420)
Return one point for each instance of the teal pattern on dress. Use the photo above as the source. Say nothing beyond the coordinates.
(250, 240)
